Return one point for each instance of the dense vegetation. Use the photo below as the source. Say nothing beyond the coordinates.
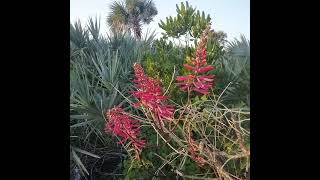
(204, 132)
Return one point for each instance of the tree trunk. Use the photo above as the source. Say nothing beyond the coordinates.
(137, 29)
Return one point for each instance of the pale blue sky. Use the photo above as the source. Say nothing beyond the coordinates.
(230, 16)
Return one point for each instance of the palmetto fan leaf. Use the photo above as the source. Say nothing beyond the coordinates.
(78, 35)
(236, 70)
(94, 28)
(239, 48)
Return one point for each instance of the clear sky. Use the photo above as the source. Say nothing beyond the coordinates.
(230, 16)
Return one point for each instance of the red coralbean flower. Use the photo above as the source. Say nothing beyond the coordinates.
(197, 81)
(122, 125)
(149, 93)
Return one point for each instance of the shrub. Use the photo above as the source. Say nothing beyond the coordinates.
(213, 138)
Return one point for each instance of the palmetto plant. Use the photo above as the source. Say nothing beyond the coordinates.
(100, 73)
(130, 15)
(236, 72)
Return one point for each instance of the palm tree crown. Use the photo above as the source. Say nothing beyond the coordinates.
(130, 15)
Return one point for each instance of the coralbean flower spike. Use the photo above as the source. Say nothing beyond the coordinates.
(197, 80)
(121, 125)
(149, 93)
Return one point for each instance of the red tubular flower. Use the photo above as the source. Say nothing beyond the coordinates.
(149, 93)
(183, 78)
(122, 125)
(195, 81)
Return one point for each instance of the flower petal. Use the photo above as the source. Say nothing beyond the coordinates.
(187, 66)
(182, 78)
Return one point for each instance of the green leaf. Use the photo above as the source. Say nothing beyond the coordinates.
(81, 124)
(79, 116)
(196, 99)
(85, 152)
(204, 98)
(183, 9)
(78, 161)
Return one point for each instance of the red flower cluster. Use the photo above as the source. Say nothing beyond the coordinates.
(197, 81)
(122, 125)
(150, 94)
